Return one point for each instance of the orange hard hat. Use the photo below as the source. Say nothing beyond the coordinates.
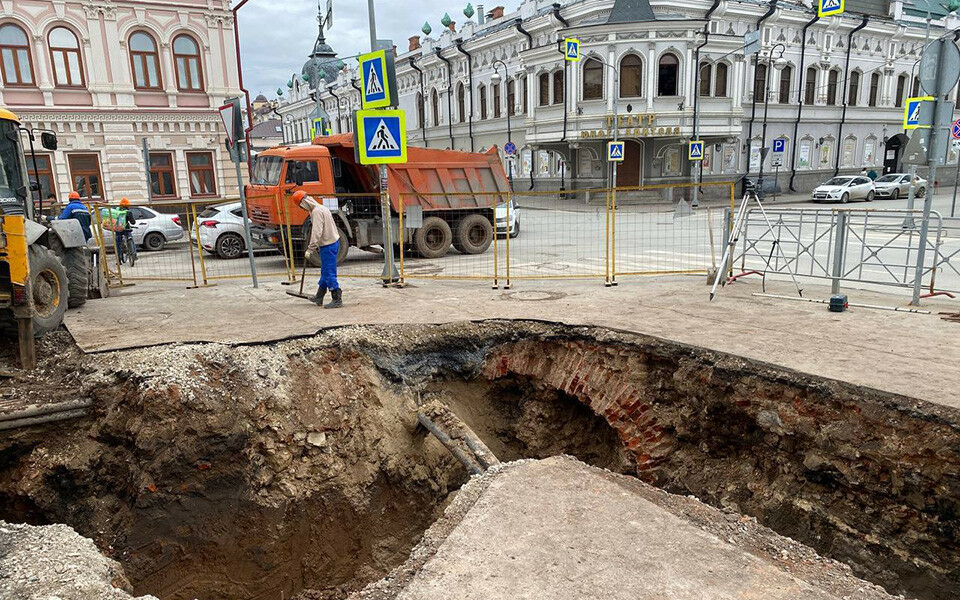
(299, 195)
(74, 195)
(124, 202)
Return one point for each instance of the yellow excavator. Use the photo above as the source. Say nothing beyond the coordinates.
(45, 265)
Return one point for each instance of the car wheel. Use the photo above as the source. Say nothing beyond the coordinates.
(870, 196)
(516, 229)
(154, 242)
(844, 198)
(229, 245)
(895, 194)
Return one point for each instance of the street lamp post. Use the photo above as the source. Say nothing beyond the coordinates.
(496, 79)
(778, 64)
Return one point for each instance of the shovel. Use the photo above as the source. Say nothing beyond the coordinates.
(303, 275)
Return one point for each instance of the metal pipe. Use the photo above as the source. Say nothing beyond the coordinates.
(470, 82)
(846, 82)
(246, 93)
(439, 54)
(449, 444)
(339, 117)
(756, 61)
(506, 75)
(518, 23)
(766, 108)
(40, 420)
(421, 112)
(696, 96)
(818, 301)
(800, 94)
(46, 409)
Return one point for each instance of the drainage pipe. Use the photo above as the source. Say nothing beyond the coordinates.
(518, 23)
(800, 97)
(339, 116)
(846, 82)
(470, 82)
(45, 409)
(753, 115)
(439, 54)
(421, 112)
(557, 16)
(53, 417)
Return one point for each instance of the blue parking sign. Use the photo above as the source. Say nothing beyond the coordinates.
(780, 145)
(615, 151)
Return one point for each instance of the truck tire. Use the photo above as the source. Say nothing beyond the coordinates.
(76, 262)
(50, 289)
(344, 246)
(433, 239)
(474, 234)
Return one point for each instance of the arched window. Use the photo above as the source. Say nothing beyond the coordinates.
(435, 105)
(592, 79)
(631, 76)
(901, 88)
(420, 114)
(15, 61)
(786, 75)
(705, 83)
(461, 102)
(559, 97)
(760, 83)
(186, 57)
(720, 71)
(145, 61)
(832, 77)
(874, 89)
(853, 93)
(668, 75)
(482, 92)
(544, 91)
(65, 57)
(810, 86)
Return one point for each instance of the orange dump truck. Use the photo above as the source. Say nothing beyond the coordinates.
(457, 191)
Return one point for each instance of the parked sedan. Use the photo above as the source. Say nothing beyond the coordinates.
(501, 216)
(152, 229)
(221, 230)
(897, 185)
(845, 189)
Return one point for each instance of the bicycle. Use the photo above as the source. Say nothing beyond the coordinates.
(127, 250)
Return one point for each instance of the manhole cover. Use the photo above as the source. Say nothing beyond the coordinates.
(533, 296)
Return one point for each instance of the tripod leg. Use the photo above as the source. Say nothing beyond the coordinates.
(780, 251)
(728, 251)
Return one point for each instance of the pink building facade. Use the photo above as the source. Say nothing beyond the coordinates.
(107, 76)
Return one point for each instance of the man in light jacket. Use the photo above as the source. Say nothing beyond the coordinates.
(325, 241)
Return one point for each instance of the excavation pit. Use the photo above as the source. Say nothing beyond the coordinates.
(213, 471)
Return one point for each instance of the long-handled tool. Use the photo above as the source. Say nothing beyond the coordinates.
(303, 276)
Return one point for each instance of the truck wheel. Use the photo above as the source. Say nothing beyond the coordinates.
(474, 234)
(75, 261)
(344, 246)
(434, 238)
(50, 289)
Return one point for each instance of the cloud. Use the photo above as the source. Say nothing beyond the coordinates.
(276, 36)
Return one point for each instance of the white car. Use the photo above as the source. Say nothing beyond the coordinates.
(897, 185)
(151, 230)
(221, 230)
(501, 217)
(844, 189)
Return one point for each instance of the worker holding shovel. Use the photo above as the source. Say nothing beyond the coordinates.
(325, 240)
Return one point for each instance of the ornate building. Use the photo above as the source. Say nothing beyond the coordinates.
(110, 75)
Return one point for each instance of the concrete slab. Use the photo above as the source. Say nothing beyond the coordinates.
(558, 529)
(910, 354)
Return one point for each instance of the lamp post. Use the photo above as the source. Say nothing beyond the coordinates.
(496, 79)
(778, 64)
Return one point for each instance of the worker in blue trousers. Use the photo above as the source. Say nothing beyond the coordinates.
(325, 241)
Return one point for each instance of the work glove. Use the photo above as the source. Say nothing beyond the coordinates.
(308, 254)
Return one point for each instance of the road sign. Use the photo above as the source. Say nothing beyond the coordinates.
(939, 67)
(955, 130)
(695, 151)
(751, 43)
(615, 151)
(912, 112)
(571, 49)
(379, 80)
(777, 160)
(232, 120)
(321, 127)
(829, 8)
(381, 137)
(509, 148)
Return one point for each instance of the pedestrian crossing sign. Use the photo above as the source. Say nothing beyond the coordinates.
(912, 112)
(571, 49)
(695, 151)
(377, 90)
(381, 137)
(615, 151)
(829, 8)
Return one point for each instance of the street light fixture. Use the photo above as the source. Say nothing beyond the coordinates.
(779, 63)
(496, 79)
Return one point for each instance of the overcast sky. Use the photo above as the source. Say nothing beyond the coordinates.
(277, 35)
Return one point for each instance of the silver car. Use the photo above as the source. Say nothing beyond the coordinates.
(897, 185)
(501, 215)
(151, 230)
(844, 189)
(221, 231)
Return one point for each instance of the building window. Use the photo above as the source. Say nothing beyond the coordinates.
(854, 91)
(43, 173)
(435, 105)
(705, 79)
(668, 74)
(559, 95)
(916, 87)
(482, 92)
(874, 89)
(810, 86)
(85, 175)
(162, 175)
(901, 87)
(760, 84)
(592, 79)
(495, 90)
(200, 172)
(461, 104)
(16, 64)
(631, 76)
(544, 91)
(720, 80)
(524, 88)
(420, 113)
(145, 61)
(832, 77)
(785, 76)
(511, 97)
(65, 57)
(186, 58)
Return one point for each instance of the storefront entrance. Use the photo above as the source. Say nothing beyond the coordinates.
(630, 170)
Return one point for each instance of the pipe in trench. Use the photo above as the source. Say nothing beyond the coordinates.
(439, 53)
(449, 444)
(846, 82)
(800, 98)
(470, 83)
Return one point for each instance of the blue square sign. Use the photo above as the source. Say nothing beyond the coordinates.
(780, 145)
(381, 137)
(695, 151)
(376, 89)
(615, 151)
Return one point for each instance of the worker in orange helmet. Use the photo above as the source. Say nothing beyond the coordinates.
(77, 210)
(124, 223)
(325, 240)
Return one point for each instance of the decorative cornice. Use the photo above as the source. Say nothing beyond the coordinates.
(119, 117)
